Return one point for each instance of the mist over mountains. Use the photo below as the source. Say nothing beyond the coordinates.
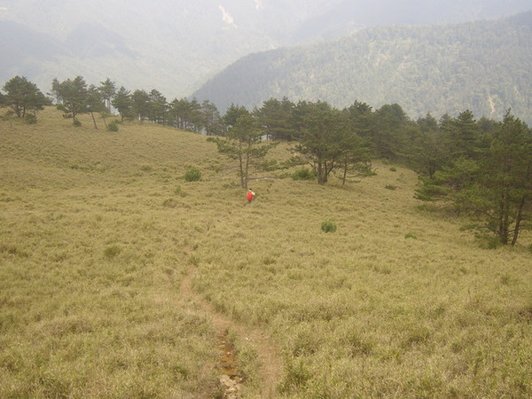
(173, 46)
(482, 66)
(176, 46)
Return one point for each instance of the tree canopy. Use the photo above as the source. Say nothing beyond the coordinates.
(242, 142)
(486, 176)
(71, 95)
(23, 96)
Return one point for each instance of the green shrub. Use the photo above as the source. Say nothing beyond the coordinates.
(76, 123)
(113, 126)
(390, 187)
(268, 260)
(328, 226)
(111, 252)
(30, 119)
(303, 174)
(487, 241)
(430, 192)
(192, 174)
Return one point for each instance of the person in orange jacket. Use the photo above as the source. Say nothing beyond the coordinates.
(250, 196)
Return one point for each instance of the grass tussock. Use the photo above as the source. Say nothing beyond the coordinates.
(97, 230)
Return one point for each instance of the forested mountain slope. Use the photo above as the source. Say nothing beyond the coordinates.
(176, 45)
(484, 66)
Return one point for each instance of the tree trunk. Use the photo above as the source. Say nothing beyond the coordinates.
(329, 169)
(345, 173)
(94, 120)
(17, 110)
(504, 217)
(246, 168)
(241, 166)
(322, 175)
(518, 219)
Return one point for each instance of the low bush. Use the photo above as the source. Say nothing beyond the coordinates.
(303, 174)
(113, 126)
(192, 174)
(328, 226)
(30, 119)
(111, 251)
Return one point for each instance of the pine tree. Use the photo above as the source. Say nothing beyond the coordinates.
(72, 94)
(494, 184)
(158, 107)
(108, 91)
(211, 119)
(242, 142)
(123, 103)
(276, 118)
(23, 96)
(95, 103)
(507, 179)
(141, 104)
(321, 131)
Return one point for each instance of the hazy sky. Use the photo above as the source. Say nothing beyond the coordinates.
(189, 41)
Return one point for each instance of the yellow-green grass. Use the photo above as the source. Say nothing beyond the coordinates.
(396, 303)
(97, 230)
(94, 241)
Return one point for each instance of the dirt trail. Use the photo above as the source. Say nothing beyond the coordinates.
(270, 364)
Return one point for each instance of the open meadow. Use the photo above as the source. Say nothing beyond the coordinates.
(100, 234)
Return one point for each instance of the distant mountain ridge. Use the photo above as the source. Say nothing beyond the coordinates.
(483, 66)
(351, 15)
(175, 46)
(170, 45)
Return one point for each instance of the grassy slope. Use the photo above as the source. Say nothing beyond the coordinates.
(91, 261)
(98, 229)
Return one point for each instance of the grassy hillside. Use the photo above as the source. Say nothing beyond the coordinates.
(482, 66)
(98, 231)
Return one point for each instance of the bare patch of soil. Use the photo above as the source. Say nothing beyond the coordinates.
(231, 378)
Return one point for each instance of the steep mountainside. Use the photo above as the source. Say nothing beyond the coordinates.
(483, 66)
(176, 45)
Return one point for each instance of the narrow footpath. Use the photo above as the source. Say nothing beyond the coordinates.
(231, 380)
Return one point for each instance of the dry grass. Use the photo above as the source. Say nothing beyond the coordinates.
(97, 230)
